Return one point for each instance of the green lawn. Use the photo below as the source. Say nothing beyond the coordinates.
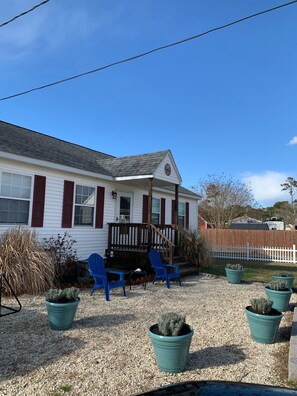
(255, 271)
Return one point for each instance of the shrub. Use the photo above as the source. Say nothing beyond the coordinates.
(171, 324)
(67, 295)
(261, 305)
(234, 266)
(194, 247)
(278, 285)
(63, 254)
(24, 262)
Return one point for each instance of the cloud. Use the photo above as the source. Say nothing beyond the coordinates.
(52, 26)
(266, 187)
(293, 140)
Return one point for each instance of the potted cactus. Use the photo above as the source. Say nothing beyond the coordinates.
(263, 320)
(61, 307)
(234, 273)
(171, 338)
(284, 276)
(279, 294)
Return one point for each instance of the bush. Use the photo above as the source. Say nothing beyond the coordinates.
(59, 296)
(64, 255)
(171, 324)
(261, 305)
(194, 247)
(234, 267)
(24, 262)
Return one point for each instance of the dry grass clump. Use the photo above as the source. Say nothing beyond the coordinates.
(24, 263)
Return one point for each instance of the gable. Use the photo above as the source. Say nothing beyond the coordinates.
(167, 170)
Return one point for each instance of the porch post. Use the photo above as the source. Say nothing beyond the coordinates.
(176, 216)
(149, 214)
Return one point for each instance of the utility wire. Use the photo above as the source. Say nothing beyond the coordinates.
(148, 52)
(23, 13)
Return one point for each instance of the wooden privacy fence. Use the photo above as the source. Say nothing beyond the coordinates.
(255, 253)
(259, 238)
(257, 245)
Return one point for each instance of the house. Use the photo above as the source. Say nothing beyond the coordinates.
(248, 226)
(203, 224)
(107, 204)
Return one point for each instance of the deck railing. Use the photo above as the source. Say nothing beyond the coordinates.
(139, 237)
(161, 242)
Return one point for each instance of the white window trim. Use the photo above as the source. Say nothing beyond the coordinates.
(74, 205)
(21, 173)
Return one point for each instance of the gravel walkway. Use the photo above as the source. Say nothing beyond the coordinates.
(108, 352)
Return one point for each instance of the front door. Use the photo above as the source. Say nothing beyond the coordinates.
(124, 207)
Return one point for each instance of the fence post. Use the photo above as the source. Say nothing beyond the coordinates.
(294, 254)
(248, 251)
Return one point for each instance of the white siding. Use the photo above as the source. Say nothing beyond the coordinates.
(89, 239)
(160, 172)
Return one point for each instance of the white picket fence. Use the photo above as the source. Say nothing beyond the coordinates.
(255, 253)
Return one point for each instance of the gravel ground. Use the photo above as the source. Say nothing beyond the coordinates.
(108, 352)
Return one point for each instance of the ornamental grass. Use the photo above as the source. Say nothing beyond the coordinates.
(24, 263)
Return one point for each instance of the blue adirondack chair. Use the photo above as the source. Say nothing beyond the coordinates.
(163, 271)
(98, 271)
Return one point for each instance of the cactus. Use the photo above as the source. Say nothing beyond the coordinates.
(278, 285)
(171, 324)
(283, 274)
(234, 267)
(62, 296)
(261, 305)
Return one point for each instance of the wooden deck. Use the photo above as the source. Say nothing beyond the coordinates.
(141, 237)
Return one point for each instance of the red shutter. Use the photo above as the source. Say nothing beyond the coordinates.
(100, 207)
(172, 210)
(145, 209)
(187, 215)
(163, 202)
(38, 201)
(67, 204)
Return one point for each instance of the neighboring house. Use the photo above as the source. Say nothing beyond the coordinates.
(245, 219)
(248, 226)
(203, 224)
(106, 203)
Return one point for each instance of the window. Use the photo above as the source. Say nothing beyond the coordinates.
(15, 197)
(181, 214)
(156, 211)
(84, 206)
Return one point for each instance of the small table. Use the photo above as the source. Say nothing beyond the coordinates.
(138, 275)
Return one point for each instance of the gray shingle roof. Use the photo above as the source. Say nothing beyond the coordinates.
(134, 165)
(27, 143)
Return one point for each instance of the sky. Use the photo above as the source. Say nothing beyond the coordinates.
(224, 103)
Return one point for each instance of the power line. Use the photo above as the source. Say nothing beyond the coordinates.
(23, 13)
(148, 52)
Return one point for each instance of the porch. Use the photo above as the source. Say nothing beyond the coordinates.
(132, 241)
(141, 237)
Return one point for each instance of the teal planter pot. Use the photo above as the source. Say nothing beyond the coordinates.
(263, 328)
(61, 316)
(233, 275)
(171, 352)
(288, 279)
(280, 298)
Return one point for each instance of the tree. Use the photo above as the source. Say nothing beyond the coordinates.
(222, 199)
(290, 185)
